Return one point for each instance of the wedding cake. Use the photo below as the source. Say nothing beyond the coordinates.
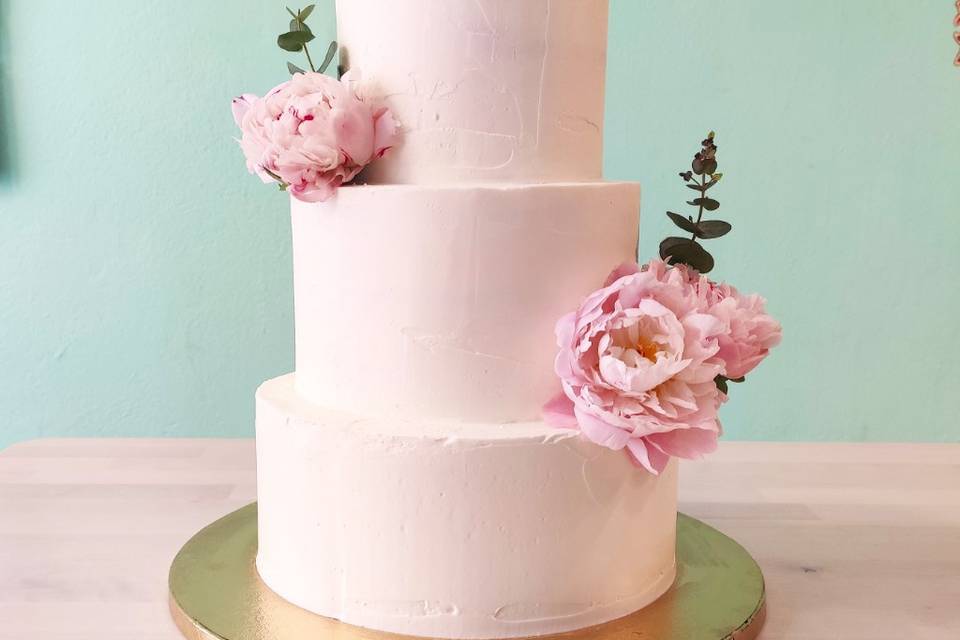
(406, 479)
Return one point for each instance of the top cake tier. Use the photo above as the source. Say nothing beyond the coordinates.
(485, 90)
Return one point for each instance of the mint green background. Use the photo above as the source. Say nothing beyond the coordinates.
(145, 280)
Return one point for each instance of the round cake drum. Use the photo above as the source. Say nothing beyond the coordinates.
(215, 593)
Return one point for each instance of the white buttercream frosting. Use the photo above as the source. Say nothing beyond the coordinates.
(484, 89)
(437, 528)
(440, 302)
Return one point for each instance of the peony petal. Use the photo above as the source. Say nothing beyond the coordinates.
(625, 269)
(596, 430)
(690, 443)
(565, 329)
(313, 193)
(650, 458)
(559, 412)
(385, 132)
(638, 454)
(240, 106)
(355, 134)
(566, 367)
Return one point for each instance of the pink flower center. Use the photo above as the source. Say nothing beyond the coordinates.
(647, 349)
(633, 343)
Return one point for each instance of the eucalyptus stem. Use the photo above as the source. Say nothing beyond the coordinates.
(680, 249)
(703, 194)
(298, 37)
(305, 50)
(309, 61)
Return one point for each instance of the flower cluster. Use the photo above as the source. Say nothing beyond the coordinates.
(312, 133)
(644, 360)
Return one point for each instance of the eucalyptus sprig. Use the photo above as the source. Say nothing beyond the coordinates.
(298, 36)
(682, 250)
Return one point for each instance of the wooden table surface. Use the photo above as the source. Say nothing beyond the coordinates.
(857, 541)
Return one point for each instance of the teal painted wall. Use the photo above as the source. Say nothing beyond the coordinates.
(145, 284)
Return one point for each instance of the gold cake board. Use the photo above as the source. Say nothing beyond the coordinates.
(216, 594)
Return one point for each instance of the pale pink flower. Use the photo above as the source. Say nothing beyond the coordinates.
(752, 332)
(637, 362)
(313, 133)
(639, 357)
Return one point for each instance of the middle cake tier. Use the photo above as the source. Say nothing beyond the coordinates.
(440, 301)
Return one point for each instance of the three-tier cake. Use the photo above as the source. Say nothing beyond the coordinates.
(406, 481)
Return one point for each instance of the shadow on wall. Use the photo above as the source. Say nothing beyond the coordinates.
(6, 99)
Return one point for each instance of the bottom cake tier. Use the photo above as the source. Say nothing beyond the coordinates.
(454, 530)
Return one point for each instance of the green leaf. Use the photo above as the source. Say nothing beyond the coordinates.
(703, 187)
(740, 379)
(305, 12)
(688, 252)
(292, 68)
(702, 166)
(684, 223)
(721, 383)
(707, 203)
(285, 43)
(328, 58)
(299, 26)
(668, 245)
(712, 229)
(293, 40)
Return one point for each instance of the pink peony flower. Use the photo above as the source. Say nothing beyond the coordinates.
(638, 359)
(751, 334)
(313, 133)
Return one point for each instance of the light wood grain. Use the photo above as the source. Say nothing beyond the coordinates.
(857, 541)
